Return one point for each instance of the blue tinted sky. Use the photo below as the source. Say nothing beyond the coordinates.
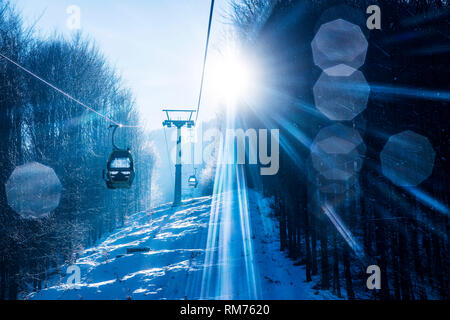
(157, 45)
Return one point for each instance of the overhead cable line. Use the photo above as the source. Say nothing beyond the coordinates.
(211, 13)
(104, 116)
(66, 94)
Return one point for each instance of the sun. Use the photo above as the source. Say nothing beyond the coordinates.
(230, 75)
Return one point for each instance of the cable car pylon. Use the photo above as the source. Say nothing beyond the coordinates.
(179, 123)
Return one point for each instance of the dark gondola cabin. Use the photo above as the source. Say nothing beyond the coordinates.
(120, 170)
(193, 182)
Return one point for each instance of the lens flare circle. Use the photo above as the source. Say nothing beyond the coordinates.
(341, 98)
(407, 159)
(339, 42)
(337, 152)
(33, 190)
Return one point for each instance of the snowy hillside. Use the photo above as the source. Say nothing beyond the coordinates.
(174, 266)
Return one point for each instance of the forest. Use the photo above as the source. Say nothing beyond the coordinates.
(38, 124)
(395, 229)
(334, 228)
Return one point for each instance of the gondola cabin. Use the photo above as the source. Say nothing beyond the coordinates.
(193, 182)
(120, 170)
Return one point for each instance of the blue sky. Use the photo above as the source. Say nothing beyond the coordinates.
(156, 45)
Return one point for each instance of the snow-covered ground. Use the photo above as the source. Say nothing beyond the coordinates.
(175, 267)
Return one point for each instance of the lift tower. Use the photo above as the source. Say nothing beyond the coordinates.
(178, 119)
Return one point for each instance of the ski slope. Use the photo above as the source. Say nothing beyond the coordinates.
(175, 267)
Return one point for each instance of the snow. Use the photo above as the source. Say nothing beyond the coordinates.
(175, 263)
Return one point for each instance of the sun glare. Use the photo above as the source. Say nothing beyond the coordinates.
(230, 75)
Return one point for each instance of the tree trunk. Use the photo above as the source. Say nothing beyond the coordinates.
(336, 280)
(348, 274)
(325, 276)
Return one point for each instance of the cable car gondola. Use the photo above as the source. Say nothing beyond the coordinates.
(120, 167)
(192, 181)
